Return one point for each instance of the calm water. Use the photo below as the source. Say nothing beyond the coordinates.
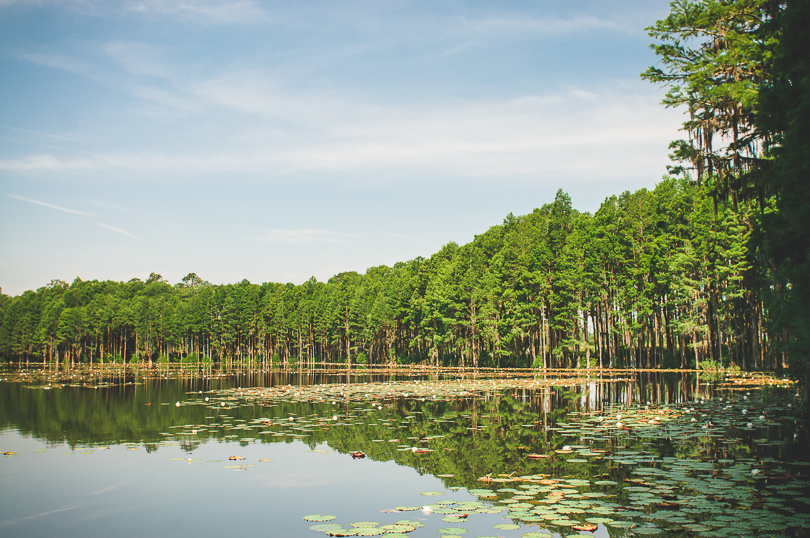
(646, 456)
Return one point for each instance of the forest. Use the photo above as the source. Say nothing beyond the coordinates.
(653, 278)
(711, 266)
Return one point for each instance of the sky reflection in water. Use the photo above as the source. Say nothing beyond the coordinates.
(66, 482)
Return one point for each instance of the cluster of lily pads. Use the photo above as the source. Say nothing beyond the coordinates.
(117, 375)
(437, 383)
(398, 529)
(386, 391)
(566, 505)
(679, 468)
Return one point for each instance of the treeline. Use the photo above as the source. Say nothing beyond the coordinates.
(653, 279)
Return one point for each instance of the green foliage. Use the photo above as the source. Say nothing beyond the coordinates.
(739, 68)
(710, 365)
(711, 371)
(588, 363)
(785, 230)
(714, 58)
(651, 276)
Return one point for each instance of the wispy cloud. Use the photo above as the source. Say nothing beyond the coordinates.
(201, 11)
(6, 3)
(302, 237)
(209, 11)
(64, 62)
(107, 205)
(252, 118)
(17, 521)
(51, 206)
(270, 130)
(116, 230)
(552, 26)
(48, 162)
(38, 133)
(109, 489)
(140, 58)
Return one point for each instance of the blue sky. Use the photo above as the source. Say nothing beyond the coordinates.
(275, 141)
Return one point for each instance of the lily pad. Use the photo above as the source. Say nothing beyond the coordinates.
(342, 532)
(368, 531)
(319, 517)
(397, 528)
(620, 524)
(326, 527)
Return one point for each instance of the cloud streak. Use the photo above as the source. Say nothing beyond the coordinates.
(38, 133)
(200, 11)
(108, 489)
(571, 130)
(549, 26)
(207, 11)
(17, 521)
(116, 230)
(107, 205)
(63, 62)
(258, 122)
(51, 206)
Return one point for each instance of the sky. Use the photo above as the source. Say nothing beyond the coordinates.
(275, 141)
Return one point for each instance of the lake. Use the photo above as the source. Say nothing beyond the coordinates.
(410, 453)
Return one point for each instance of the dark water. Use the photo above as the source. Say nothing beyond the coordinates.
(651, 454)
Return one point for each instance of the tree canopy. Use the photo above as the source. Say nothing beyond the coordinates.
(740, 68)
(653, 278)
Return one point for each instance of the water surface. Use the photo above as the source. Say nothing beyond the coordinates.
(632, 454)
